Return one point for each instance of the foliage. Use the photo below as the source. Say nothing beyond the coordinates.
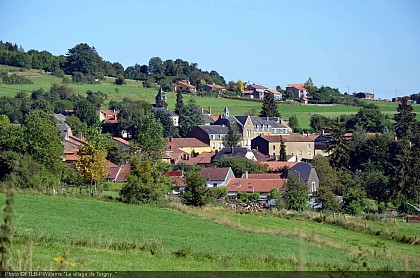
(239, 87)
(92, 164)
(179, 106)
(27, 172)
(240, 165)
(196, 193)
(86, 112)
(84, 59)
(293, 122)
(169, 130)
(131, 114)
(233, 137)
(274, 193)
(327, 175)
(405, 120)
(327, 199)
(15, 79)
(146, 184)
(319, 122)
(190, 117)
(7, 230)
(219, 192)
(42, 140)
(370, 119)
(77, 126)
(150, 137)
(283, 154)
(269, 107)
(296, 193)
(354, 201)
(120, 80)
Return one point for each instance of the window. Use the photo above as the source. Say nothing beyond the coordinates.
(214, 184)
(274, 147)
(213, 145)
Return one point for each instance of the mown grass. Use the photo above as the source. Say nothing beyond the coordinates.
(102, 235)
(133, 90)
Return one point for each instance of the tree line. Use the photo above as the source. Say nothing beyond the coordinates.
(85, 65)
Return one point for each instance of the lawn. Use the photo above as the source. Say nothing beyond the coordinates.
(133, 90)
(94, 233)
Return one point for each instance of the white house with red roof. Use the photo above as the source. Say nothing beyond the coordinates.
(216, 177)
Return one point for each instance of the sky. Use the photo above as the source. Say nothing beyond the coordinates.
(355, 45)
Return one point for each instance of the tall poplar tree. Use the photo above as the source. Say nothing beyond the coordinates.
(405, 120)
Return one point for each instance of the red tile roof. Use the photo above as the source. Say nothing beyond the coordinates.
(254, 185)
(119, 173)
(215, 86)
(276, 165)
(202, 158)
(122, 141)
(178, 182)
(264, 176)
(297, 86)
(215, 174)
(173, 174)
(186, 142)
(71, 157)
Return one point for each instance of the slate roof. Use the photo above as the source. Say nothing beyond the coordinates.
(214, 129)
(215, 174)
(63, 130)
(164, 110)
(303, 169)
(208, 119)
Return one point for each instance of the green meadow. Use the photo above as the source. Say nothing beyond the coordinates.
(134, 90)
(88, 234)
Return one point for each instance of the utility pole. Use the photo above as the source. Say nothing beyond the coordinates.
(348, 90)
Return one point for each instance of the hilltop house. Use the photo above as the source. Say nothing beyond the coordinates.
(214, 87)
(365, 95)
(183, 86)
(298, 90)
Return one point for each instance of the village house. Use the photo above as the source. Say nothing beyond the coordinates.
(108, 116)
(301, 146)
(178, 181)
(204, 159)
(188, 145)
(183, 86)
(249, 185)
(252, 126)
(298, 90)
(214, 87)
(306, 172)
(216, 177)
(212, 135)
(365, 95)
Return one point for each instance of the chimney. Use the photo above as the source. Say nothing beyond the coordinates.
(209, 110)
(246, 175)
(202, 110)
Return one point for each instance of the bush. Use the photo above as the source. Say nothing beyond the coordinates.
(15, 79)
(196, 193)
(120, 80)
(59, 73)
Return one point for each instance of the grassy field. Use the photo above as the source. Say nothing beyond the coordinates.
(92, 234)
(134, 90)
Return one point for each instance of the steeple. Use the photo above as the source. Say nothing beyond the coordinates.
(226, 112)
(160, 98)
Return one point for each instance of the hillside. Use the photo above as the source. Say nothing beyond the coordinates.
(134, 90)
(91, 233)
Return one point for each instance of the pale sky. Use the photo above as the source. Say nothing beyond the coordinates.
(366, 45)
